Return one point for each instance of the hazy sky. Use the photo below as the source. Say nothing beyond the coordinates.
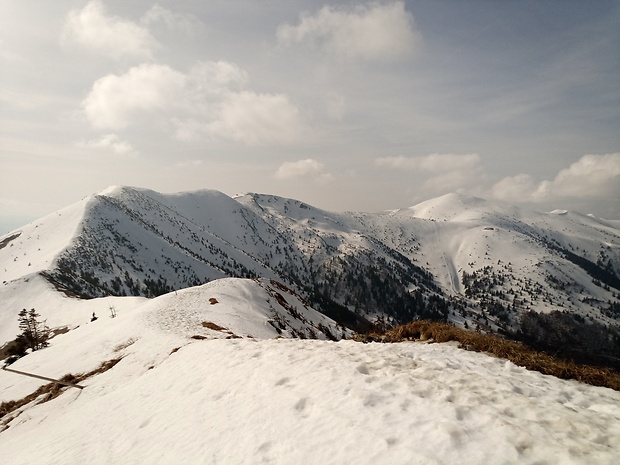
(345, 105)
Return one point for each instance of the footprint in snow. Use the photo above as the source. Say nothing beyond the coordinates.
(283, 382)
(303, 407)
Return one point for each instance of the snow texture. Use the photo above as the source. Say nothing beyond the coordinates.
(262, 399)
(211, 374)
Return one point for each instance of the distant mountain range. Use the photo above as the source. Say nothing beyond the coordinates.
(542, 277)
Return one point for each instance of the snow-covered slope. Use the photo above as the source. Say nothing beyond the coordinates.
(496, 255)
(173, 399)
(228, 308)
(259, 308)
(241, 308)
(36, 246)
(216, 371)
(476, 263)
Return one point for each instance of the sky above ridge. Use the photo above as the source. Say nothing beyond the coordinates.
(344, 105)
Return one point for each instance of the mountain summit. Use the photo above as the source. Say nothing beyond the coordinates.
(463, 259)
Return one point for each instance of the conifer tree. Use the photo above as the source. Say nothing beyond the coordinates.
(33, 332)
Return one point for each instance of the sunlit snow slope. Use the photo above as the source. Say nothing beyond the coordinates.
(175, 399)
(212, 369)
(477, 263)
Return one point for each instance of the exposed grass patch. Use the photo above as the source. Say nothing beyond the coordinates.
(213, 326)
(516, 352)
(49, 392)
(124, 345)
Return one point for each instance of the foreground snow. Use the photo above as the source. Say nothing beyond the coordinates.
(300, 401)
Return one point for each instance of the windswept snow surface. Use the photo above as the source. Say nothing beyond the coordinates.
(173, 399)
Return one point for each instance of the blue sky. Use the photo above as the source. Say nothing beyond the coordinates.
(345, 105)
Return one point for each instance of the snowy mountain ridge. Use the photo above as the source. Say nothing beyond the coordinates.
(476, 263)
(216, 372)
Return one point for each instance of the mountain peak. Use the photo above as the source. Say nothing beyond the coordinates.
(453, 206)
(112, 190)
(136, 242)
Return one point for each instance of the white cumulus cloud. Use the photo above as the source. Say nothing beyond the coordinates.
(589, 177)
(373, 31)
(114, 101)
(217, 76)
(308, 168)
(93, 29)
(257, 119)
(210, 100)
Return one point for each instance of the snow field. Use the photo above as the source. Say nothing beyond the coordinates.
(244, 308)
(173, 399)
(292, 401)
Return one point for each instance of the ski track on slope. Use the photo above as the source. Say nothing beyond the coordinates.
(450, 272)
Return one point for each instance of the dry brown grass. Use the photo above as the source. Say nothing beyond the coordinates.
(213, 326)
(516, 352)
(124, 345)
(50, 391)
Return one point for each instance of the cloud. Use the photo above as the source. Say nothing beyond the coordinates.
(92, 29)
(439, 172)
(257, 119)
(373, 31)
(114, 101)
(308, 168)
(592, 176)
(511, 188)
(208, 101)
(109, 142)
(433, 163)
(217, 76)
(160, 15)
